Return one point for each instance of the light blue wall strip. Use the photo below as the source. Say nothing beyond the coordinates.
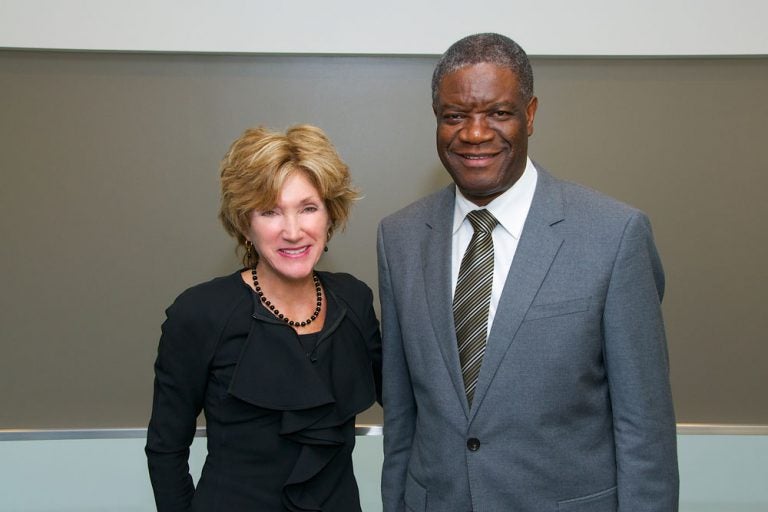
(723, 473)
(718, 473)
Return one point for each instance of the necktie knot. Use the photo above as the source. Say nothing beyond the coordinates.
(482, 221)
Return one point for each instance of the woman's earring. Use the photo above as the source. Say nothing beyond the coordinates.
(325, 249)
(249, 252)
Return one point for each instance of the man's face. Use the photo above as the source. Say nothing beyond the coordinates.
(483, 125)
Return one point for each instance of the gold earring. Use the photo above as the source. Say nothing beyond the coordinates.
(248, 252)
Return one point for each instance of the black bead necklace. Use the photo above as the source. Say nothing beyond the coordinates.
(278, 314)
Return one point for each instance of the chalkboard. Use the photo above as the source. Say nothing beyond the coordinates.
(109, 195)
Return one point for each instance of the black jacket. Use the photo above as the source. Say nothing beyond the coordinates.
(279, 408)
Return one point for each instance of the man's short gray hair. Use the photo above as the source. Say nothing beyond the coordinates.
(485, 48)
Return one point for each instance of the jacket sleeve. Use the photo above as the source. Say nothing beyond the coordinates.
(180, 381)
(638, 375)
(398, 399)
(373, 341)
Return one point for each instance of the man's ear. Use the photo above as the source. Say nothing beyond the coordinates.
(530, 111)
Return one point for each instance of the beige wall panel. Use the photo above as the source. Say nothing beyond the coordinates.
(109, 194)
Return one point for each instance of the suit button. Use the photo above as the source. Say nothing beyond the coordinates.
(473, 444)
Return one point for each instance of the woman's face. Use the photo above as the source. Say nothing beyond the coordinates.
(290, 237)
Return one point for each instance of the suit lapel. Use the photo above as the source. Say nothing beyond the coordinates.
(436, 264)
(535, 253)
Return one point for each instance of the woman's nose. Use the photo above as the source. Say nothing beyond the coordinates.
(291, 227)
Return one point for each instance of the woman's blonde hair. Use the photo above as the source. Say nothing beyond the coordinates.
(257, 164)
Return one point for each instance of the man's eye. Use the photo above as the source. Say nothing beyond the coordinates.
(502, 114)
(452, 117)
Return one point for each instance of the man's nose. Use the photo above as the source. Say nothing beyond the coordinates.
(476, 131)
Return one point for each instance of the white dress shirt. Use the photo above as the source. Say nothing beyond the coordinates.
(510, 209)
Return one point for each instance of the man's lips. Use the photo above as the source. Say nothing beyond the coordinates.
(472, 156)
(476, 159)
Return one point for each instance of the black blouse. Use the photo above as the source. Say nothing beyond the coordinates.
(280, 408)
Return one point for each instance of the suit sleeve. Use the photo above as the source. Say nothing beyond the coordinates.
(638, 375)
(179, 389)
(398, 399)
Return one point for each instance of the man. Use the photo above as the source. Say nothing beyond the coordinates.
(525, 361)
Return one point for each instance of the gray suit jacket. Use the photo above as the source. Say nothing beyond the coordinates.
(572, 410)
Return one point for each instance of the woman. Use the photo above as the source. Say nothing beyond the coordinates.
(278, 356)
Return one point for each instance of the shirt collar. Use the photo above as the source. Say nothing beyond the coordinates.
(510, 208)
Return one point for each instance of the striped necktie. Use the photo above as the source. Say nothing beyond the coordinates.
(472, 298)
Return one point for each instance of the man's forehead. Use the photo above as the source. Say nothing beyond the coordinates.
(479, 81)
(480, 72)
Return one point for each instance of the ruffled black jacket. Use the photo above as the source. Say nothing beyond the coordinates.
(279, 408)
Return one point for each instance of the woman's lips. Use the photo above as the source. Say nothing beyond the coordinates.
(294, 253)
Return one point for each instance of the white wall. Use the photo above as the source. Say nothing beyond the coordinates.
(543, 27)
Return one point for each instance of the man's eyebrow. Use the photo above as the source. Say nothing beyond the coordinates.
(504, 104)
